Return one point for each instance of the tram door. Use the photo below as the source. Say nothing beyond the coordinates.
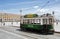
(45, 26)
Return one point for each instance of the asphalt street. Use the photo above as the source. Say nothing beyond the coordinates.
(14, 33)
(8, 35)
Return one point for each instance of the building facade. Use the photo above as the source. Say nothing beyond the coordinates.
(7, 19)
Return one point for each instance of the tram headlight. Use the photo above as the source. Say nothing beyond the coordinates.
(52, 30)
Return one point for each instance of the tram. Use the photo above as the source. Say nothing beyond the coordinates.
(42, 24)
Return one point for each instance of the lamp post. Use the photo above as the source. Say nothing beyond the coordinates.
(1, 19)
(21, 16)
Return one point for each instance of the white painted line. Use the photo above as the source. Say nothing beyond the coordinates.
(13, 34)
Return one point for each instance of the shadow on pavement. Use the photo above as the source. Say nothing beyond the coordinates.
(33, 31)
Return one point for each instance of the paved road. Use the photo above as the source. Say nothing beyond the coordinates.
(29, 35)
(9, 35)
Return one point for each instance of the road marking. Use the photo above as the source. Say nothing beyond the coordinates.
(13, 34)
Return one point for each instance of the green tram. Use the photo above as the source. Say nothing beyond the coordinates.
(41, 24)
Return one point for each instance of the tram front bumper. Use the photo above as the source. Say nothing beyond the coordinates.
(51, 31)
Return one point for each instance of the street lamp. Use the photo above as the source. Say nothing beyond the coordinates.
(21, 15)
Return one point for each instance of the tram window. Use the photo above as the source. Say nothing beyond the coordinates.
(39, 21)
(23, 21)
(33, 21)
(50, 20)
(44, 21)
(28, 21)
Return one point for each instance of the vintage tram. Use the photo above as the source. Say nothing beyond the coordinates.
(42, 24)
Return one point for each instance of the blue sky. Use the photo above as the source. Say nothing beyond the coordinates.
(30, 6)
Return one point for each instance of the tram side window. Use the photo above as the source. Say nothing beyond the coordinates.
(36, 21)
(21, 21)
(28, 21)
(24, 21)
(39, 21)
(32, 21)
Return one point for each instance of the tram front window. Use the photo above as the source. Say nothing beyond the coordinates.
(44, 21)
(50, 20)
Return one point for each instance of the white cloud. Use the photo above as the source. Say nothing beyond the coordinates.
(36, 7)
(42, 11)
(49, 10)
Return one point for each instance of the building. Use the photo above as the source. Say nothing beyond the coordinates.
(8, 19)
(57, 25)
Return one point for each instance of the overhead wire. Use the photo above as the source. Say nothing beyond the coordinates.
(43, 6)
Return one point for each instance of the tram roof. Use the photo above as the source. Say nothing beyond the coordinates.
(38, 17)
(41, 16)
